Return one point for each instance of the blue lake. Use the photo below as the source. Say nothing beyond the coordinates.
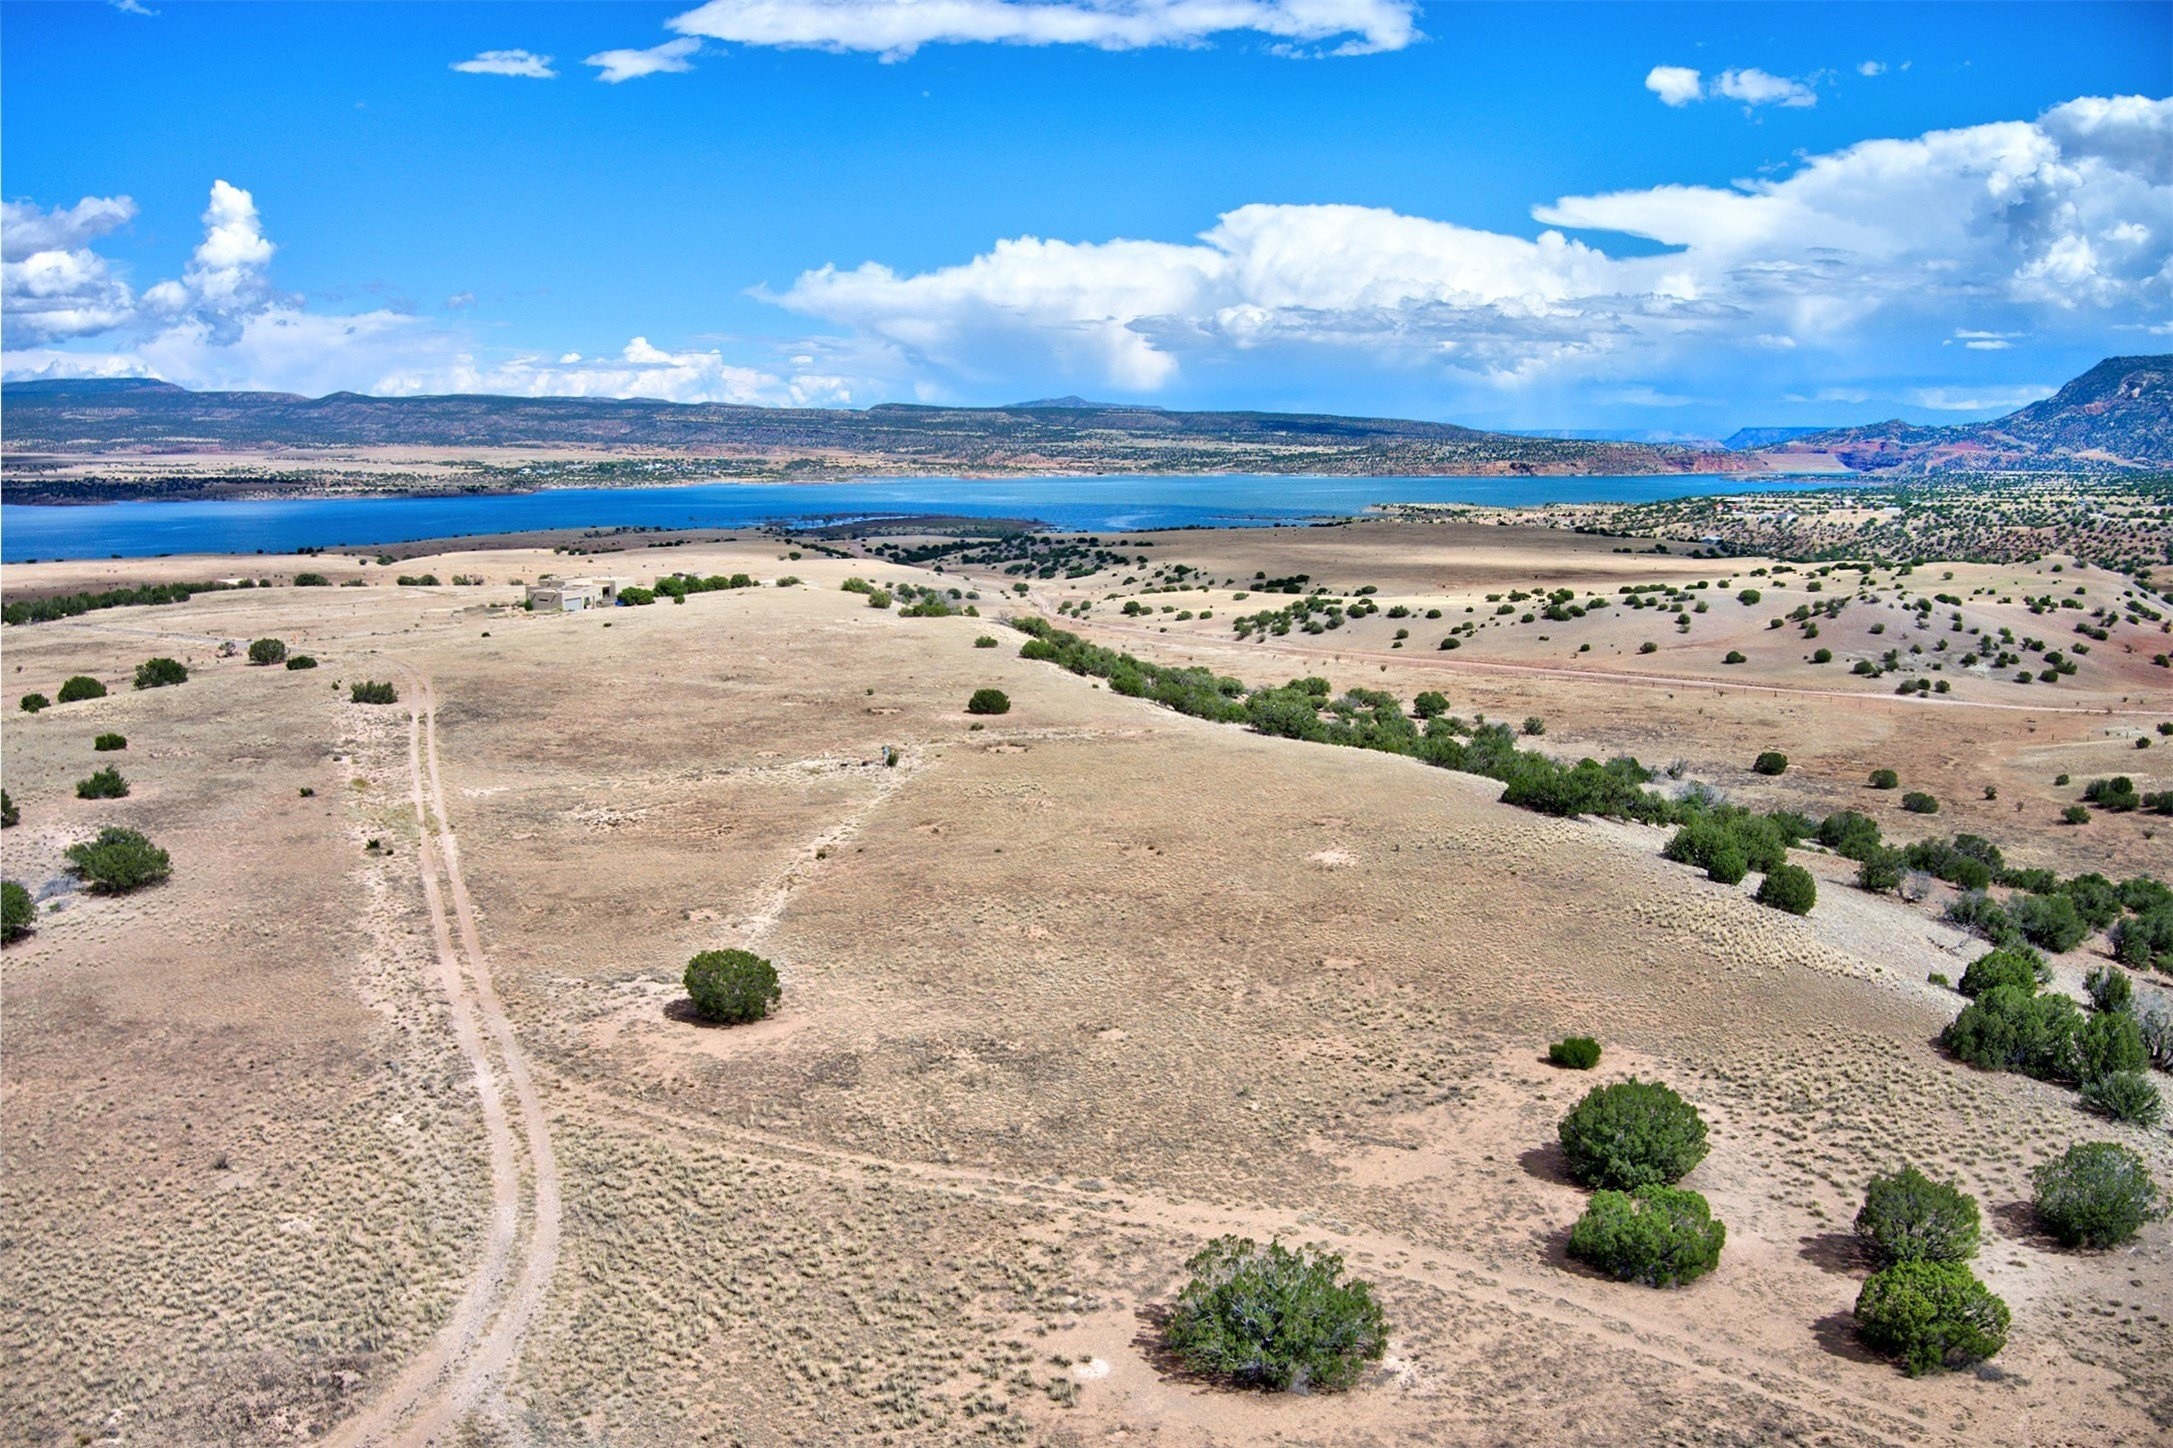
(1094, 504)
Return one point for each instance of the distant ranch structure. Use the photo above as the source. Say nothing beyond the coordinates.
(574, 595)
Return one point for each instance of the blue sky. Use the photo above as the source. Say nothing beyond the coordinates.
(1514, 216)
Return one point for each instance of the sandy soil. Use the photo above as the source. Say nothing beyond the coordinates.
(420, 1145)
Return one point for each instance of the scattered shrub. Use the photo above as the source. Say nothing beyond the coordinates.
(1659, 1236)
(1771, 762)
(2124, 1096)
(18, 912)
(1275, 1318)
(989, 701)
(1918, 802)
(81, 686)
(879, 598)
(1790, 888)
(2096, 1194)
(1431, 704)
(32, 703)
(985, 641)
(2049, 921)
(2109, 1042)
(1632, 1134)
(106, 743)
(1848, 834)
(1931, 1316)
(1735, 656)
(2009, 1029)
(732, 986)
(311, 580)
(301, 661)
(10, 816)
(105, 784)
(1908, 1217)
(2015, 965)
(118, 861)
(2075, 814)
(1885, 779)
(267, 651)
(1880, 871)
(2146, 939)
(1577, 1053)
(370, 691)
(160, 672)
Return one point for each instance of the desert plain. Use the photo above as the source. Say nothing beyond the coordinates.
(385, 1119)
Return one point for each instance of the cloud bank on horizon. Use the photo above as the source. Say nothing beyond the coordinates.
(1971, 237)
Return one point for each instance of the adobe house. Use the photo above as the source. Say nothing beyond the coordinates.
(574, 595)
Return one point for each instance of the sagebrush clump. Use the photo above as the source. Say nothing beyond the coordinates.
(106, 783)
(369, 691)
(118, 861)
(1576, 1053)
(1273, 1317)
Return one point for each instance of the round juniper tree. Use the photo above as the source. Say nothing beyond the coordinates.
(267, 651)
(80, 686)
(1659, 1236)
(1908, 1217)
(2096, 1194)
(1790, 888)
(732, 987)
(1631, 1134)
(1931, 1316)
(161, 672)
(989, 701)
(1278, 1318)
(18, 912)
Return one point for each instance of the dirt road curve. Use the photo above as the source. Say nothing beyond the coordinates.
(465, 1368)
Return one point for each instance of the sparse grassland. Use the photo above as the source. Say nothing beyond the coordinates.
(1063, 999)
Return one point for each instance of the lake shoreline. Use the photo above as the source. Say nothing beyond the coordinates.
(1068, 502)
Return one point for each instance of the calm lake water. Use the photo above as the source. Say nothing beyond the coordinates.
(1096, 504)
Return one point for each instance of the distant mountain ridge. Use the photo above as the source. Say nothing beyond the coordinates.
(88, 419)
(2118, 415)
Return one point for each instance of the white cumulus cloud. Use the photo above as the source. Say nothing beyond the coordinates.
(220, 324)
(52, 285)
(897, 28)
(1679, 85)
(525, 64)
(1871, 67)
(670, 58)
(1889, 239)
(1675, 85)
(1753, 87)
